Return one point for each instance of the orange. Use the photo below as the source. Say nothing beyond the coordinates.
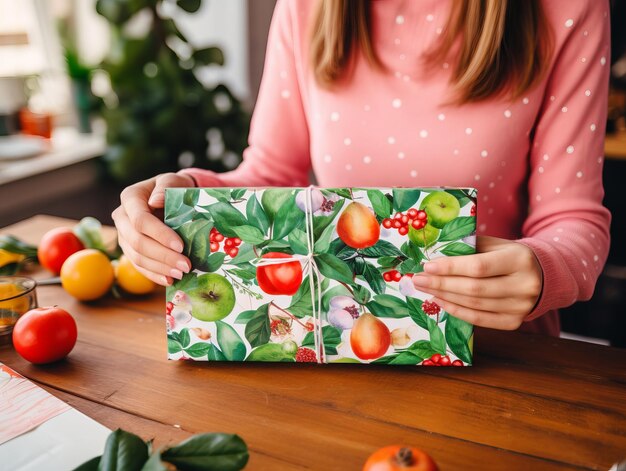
(87, 274)
(130, 279)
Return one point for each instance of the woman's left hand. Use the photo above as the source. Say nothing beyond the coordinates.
(497, 287)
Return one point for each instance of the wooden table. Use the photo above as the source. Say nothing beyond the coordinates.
(530, 403)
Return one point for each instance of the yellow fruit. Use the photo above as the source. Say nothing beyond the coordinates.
(9, 257)
(130, 279)
(87, 275)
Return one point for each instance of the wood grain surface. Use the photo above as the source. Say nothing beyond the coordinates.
(530, 402)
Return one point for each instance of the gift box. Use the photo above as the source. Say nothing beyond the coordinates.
(316, 274)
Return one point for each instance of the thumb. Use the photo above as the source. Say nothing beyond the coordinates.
(167, 180)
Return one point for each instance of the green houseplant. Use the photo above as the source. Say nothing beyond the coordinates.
(161, 116)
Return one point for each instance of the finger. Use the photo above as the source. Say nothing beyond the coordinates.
(494, 287)
(149, 268)
(476, 266)
(167, 180)
(173, 262)
(135, 207)
(481, 318)
(512, 305)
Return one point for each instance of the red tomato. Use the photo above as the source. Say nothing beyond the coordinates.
(399, 458)
(44, 334)
(55, 246)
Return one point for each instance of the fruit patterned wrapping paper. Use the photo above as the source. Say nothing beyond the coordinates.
(316, 274)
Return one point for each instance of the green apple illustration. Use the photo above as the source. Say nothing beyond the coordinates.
(441, 208)
(273, 199)
(213, 299)
(425, 236)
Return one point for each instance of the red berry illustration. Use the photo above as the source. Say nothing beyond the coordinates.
(445, 361)
(169, 307)
(387, 223)
(412, 213)
(232, 253)
(228, 243)
(218, 237)
(404, 219)
(473, 210)
(306, 355)
(431, 308)
(403, 230)
(215, 246)
(309, 326)
(421, 214)
(436, 358)
(169, 321)
(279, 278)
(387, 276)
(237, 241)
(397, 223)
(457, 363)
(397, 276)
(428, 363)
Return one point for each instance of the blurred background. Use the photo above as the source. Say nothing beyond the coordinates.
(97, 94)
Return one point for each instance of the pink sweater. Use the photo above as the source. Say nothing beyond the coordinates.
(537, 161)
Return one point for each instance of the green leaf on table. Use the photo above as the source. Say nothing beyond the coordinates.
(250, 234)
(404, 198)
(334, 268)
(209, 451)
(458, 248)
(402, 358)
(288, 217)
(458, 228)
(258, 327)
(320, 223)
(191, 196)
(173, 346)
(220, 194)
(270, 352)
(458, 333)
(237, 193)
(229, 342)
(256, 214)
(322, 243)
(184, 338)
(380, 249)
(386, 305)
(123, 451)
(198, 350)
(14, 245)
(225, 217)
(380, 203)
(190, 6)
(91, 465)
(331, 336)
(298, 242)
(422, 348)
(89, 231)
(209, 56)
(374, 278)
(245, 316)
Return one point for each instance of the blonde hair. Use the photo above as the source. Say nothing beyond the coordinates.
(504, 45)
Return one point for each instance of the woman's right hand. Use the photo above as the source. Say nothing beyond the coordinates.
(154, 248)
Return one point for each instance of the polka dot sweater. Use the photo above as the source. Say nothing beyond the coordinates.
(536, 161)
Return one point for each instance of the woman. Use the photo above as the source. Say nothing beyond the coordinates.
(508, 96)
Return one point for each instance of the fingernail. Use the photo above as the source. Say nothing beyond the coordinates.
(156, 198)
(421, 280)
(183, 266)
(164, 281)
(431, 267)
(174, 273)
(176, 246)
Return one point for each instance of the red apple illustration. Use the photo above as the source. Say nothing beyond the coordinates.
(370, 338)
(279, 278)
(357, 226)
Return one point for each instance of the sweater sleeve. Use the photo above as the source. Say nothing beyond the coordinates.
(278, 151)
(567, 226)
